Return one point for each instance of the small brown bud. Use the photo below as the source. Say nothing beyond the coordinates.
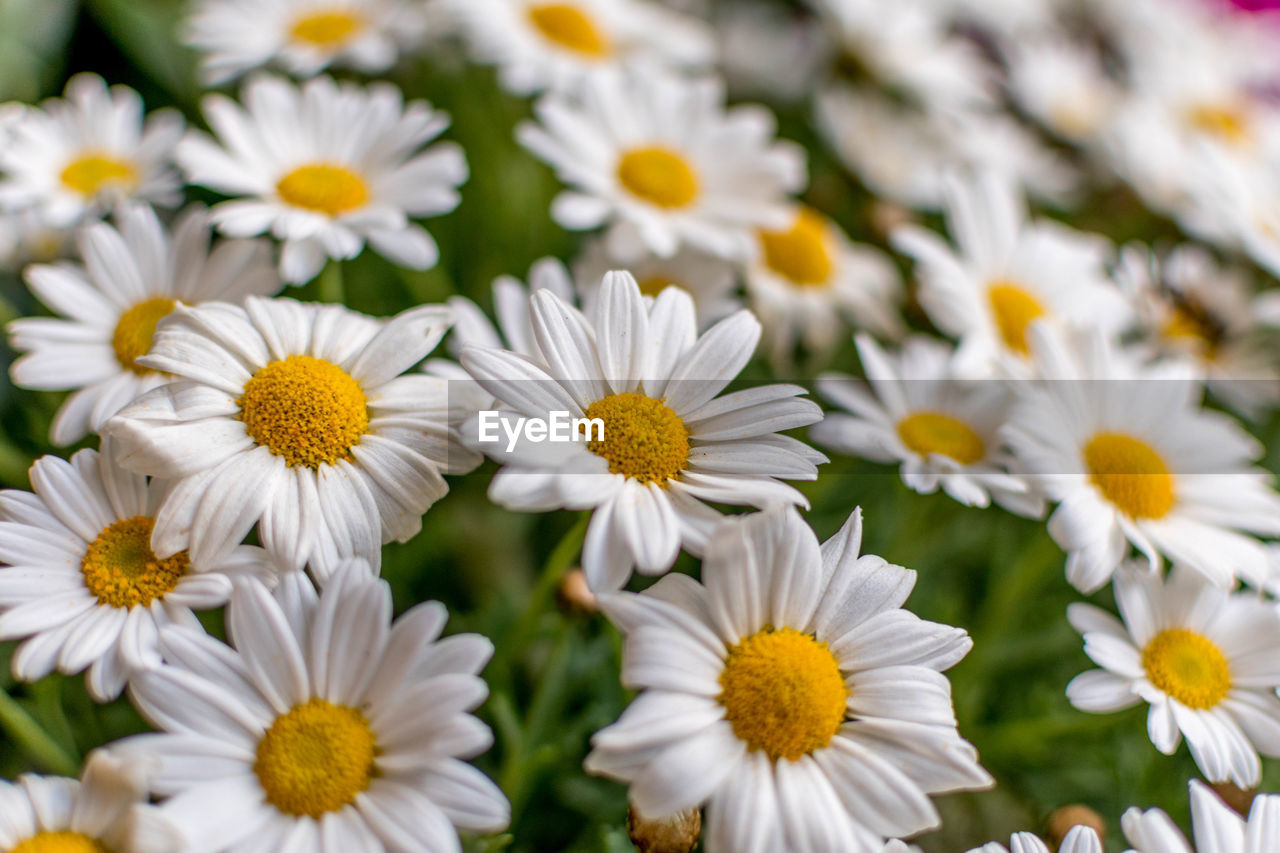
(1240, 799)
(575, 596)
(1062, 819)
(676, 834)
(886, 216)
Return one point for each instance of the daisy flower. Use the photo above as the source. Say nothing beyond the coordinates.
(326, 727)
(514, 327)
(295, 417)
(326, 167)
(1063, 85)
(789, 693)
(1240, 207)
(1004, 273)
(538, 45)
(1203, 658)
(658, 159)
(80, 155)
(80, 585)
(1079, 839)
(134, 275)
(302, 36)
(670, 441)
(808, 282)
(1217, 828)
(26, 239)
(944, 432)
(1131, 458)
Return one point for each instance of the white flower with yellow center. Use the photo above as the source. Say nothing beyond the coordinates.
(788, 693)
(295, 417)
(325, 168)
(302, 36)
(1217, 828)
(1131, 458)
(1063, 84)
(1079, 839)
(80, 585)
(1203, 658)
(1005, 273)
(79, 155)
(555, 45)
(808, 282)
(326, 728)
(658, 159)
(670, 441)
(943, 431)
(134, 275)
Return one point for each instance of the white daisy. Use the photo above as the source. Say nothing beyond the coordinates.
(77, 156)
(134, 275)
(1062, 84)
(302, 36)
(294, 417)
(943, 431)
(659, 159)
(1239, 207)
(1216, 827)
(81, 586)
(1006, 272)
(326, 728)
(326, 167)
(539, 45)
(770, 51)
(514, 327)
(1079, 839)
(26, 239)
(670, 440)
(1134, 459)
(1203, 659)
(789, 693)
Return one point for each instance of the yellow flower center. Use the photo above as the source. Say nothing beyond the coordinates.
(801, 253)
(60, 842)
(316, 758)
(1014, 310)
(567, 26)
(655, 284)
(643, 439)
(305, 409)
(1187, 666)
(121, 570)
(934, 432)
(1191, 322)
(327, 29)
(1228, 122)
(659, 176)
(137, 327)
(323, 187)
(783, 693)
(1130, 474)
(93, 172)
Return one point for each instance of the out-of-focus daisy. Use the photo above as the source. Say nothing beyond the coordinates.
(659, 159)
(769, 51)
(808, 282)
(134, 275)
(1131, 458)
(1202, 657)
(334, 729)
(25, 238)
(1079, 839)
(670, 439)
(514, 327)
(1239, 206)
(325, 168)
(295, 417)
(81, 154)
(539, 45)
(1006, 272)
(789, 693)
(1216, 827)
(1062, 84)
(302, 36)
(81, 586)
(942, 430)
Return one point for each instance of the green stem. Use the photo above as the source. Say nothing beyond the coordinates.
(558, 562)
(330, 285)
(32, 740)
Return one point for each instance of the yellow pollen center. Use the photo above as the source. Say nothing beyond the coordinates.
(316, 758)
(134, 332)
(1191, 322)
(653, 285)
(934, 432)
(1014, 310)
(323, 187)
(63, 841)
(1227, 122)
(305, 409)
(567, 26)
(801, 253)
(92, 173)
(328, 29)
(1130, 474)
(659, 176)
(783, 693)
(121, 570)
(1188, 667)
(643, 439)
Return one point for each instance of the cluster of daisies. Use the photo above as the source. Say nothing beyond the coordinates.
(784, 692)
